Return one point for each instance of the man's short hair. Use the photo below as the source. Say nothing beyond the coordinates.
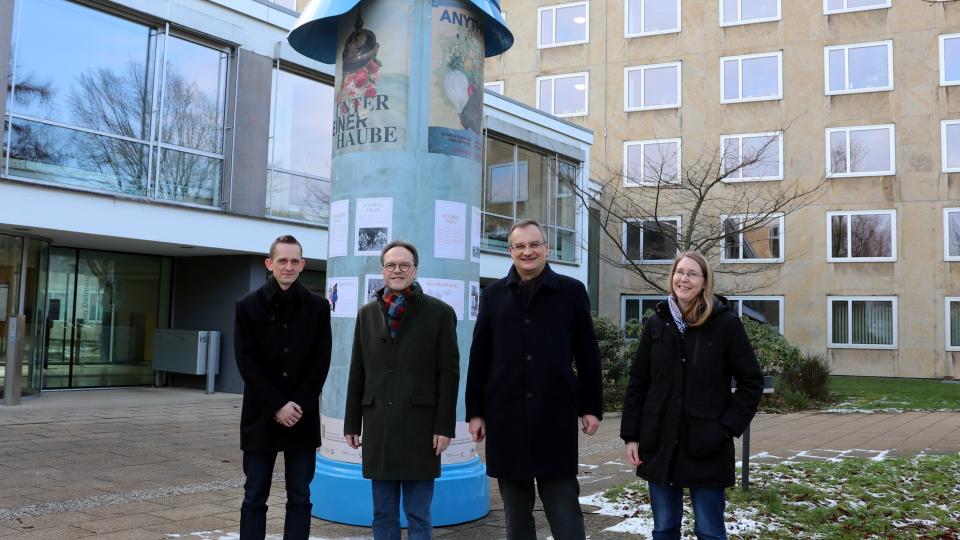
(285, 239)
(527, 223)
(405, 245)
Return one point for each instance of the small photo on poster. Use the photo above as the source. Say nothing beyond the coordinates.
(374, 282)
(374, 225)
(474, 300)
(371, 238)
(342, 295)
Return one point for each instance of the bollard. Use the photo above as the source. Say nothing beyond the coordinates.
(213, 359)
(15, 334)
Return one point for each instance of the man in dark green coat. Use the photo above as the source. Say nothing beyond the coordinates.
(402, 393)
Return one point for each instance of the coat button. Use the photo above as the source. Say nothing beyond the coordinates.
(284, 373)
(529, 394)
(273, 318)
(529, 357)
(389, 403)
(391, 372)
(284, 325)
(286, 349)
(527, 321)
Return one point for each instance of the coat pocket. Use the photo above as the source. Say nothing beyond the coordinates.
(705, 435)
(648, 436)
(366, 401)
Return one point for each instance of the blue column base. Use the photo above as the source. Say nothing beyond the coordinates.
(341, 494)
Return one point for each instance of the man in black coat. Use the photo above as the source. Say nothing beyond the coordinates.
(283, 352)
(522, 392)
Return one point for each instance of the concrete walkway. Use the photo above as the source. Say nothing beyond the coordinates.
(165, 463)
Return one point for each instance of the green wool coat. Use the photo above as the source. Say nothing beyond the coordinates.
(402, 391)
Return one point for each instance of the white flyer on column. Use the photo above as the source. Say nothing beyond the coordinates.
(339, 228)
(449, 290)
(474, 300)
(374, 226)
(475, 222)
(449, 230)
(372, 284)
(342, 295)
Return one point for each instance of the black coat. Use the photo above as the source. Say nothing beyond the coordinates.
(678, 405)
(282, 345)
(521, 378)
(403, 391)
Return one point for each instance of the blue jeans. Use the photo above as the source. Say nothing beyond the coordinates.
(299, 467)
(417, 496)
(667, 505)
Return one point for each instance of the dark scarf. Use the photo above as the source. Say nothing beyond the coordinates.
(395, 304)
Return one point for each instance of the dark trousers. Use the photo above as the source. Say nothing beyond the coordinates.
(666, 502)
(299, 466)
(417, 496)
(561, 504)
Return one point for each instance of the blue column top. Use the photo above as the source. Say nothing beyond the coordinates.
(315, 34)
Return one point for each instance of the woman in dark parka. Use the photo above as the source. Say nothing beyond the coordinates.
(679, 415)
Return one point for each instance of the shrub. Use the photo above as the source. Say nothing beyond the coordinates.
(615, 361)
(811, 377)
(774, 352)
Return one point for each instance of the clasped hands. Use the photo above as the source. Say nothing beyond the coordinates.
(289, 414)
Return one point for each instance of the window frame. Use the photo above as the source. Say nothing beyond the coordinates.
(626, 21)
(893, 151)
(624, 298)
(554, 8)
(850, 258)
(846, 68)
(623, 238)
(740, 59)
(943, 145)
(643, 144)
(828, 11)
(643, 76)
(849, 300)
(777, 298)
(740, 137)
(553, 79)
(947, 300)
(943, 61)
(946, 234)
(779, 216)
(740, 21)
(489, 84)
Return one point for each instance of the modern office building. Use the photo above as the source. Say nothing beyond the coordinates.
(152, 150)
(857, 100)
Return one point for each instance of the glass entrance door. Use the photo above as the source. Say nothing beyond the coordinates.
(23, 285)
(11, 264)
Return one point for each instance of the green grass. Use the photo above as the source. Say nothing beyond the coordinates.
(887, 393)
(853, 498)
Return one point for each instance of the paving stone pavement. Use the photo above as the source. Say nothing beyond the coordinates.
(157, 464)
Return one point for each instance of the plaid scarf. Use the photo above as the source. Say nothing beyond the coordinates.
(395, 303)
(677, 314)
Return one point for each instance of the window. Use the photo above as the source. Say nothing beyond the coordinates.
(298, 180)
(126, 107)
(949, 59)
(862, 67)
(656, 86)
(752, 239)
(494, 86)
(763, 309)
(563, 95)
(563, 24)
(862, 322)
(752, 156)
(862, 236)
(635, 308)
(952, 322)
(753, 77)
(527, 183)
(950, 145)
(651, 241)
(843, 6)
(951, 234)
(649, 163)
(860, 151)
(748, 11)
(651, 17)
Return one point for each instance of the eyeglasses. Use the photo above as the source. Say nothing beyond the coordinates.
(390, 267)
(688, 275)
(531, 245)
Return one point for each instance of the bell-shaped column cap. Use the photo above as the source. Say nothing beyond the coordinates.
(315, 34)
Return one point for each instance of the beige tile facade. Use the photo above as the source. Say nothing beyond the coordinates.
(919, 278)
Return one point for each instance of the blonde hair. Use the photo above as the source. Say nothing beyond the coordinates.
(702, 306)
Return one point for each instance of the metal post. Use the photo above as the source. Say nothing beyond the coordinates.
(745, 470)
(15, 333)
(213, 359)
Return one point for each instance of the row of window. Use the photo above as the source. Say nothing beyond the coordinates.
(569, 23)
(848, 69)
(853, 322)
(852, 236)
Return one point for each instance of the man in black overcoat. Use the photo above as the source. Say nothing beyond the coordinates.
(283, 352)
(522, 393)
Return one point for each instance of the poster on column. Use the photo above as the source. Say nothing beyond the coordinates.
(342, 295)
(449, 230)
(474, 300)
(372, 284)
(456, 89)
(372, 79)
(449, 290)
(475, 222)
(339, 228)
(374, 226)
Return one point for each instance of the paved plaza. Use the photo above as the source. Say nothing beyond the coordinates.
(165, 463)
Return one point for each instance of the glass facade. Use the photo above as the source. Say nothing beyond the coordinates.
(23, 285)
(101, 102)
